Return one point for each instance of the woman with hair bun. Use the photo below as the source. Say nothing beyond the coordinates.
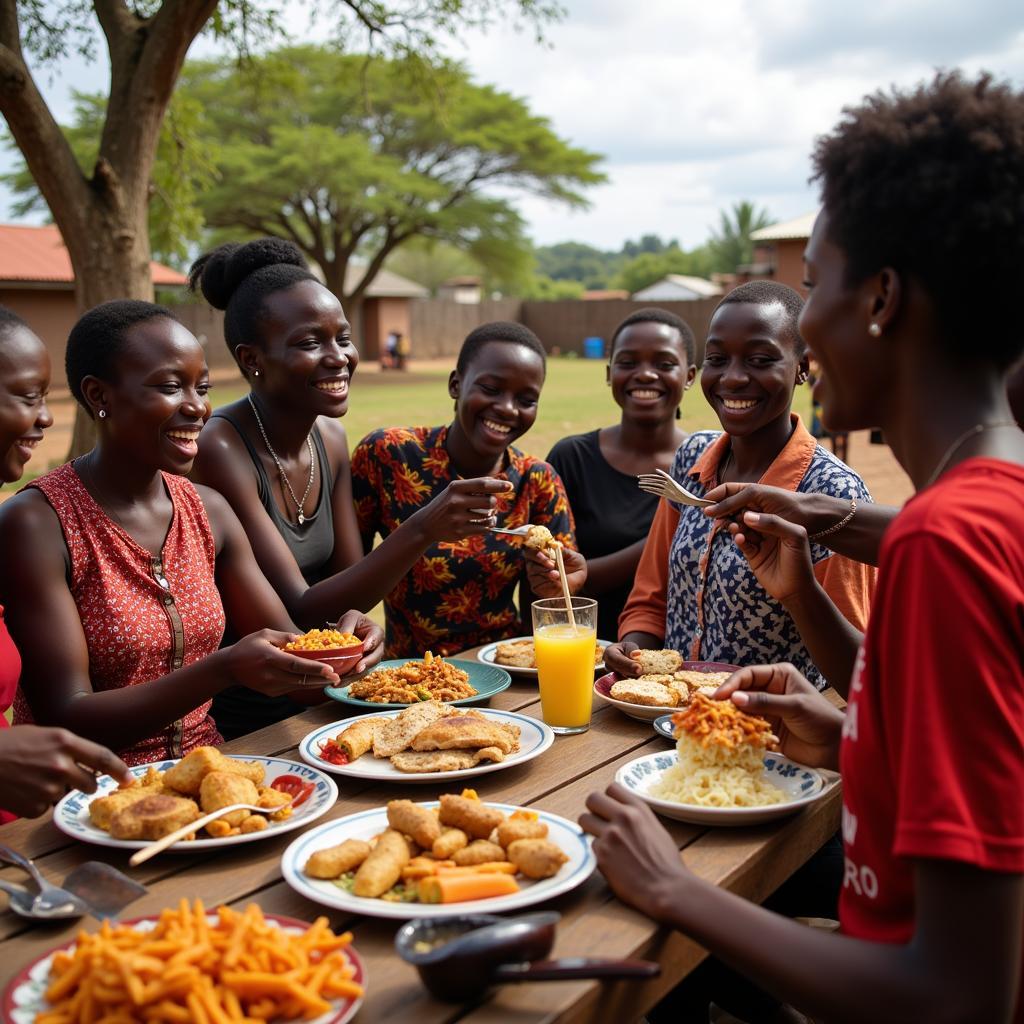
(118, 573)
(280, 457)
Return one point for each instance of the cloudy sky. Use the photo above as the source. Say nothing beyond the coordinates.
(699, 103)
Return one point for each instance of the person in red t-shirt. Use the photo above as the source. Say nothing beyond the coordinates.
(915, 269)
(36, 765)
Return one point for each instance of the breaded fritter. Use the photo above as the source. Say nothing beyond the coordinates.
(467, 731)
(536, 858)
(221, 789)
(152, 817)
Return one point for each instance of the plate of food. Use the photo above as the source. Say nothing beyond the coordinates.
(165, 795)
(112, 967)
(666, 684)
(399, 683)
(427, 742)
(516, 656)
(723, 770)
(439, 859)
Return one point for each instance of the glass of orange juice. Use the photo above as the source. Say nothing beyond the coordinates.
(565, 661)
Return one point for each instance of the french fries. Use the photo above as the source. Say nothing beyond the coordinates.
(188, 970)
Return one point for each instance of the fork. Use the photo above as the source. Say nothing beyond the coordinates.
(518, 531)
(161, 844)
(52, 901)
(661, 484)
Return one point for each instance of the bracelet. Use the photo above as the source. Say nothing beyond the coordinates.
(837, 526)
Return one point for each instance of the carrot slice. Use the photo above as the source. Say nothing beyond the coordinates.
(449, 888)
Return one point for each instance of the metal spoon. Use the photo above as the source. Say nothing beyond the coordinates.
(52, 901)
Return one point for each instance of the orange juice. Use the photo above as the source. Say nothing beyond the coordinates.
(565, 671)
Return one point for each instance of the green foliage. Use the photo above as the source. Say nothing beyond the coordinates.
(648, 267)
(547, 289)
(347, 157)
(430, 263)
(181, 173)
(730, 244)
(575, 261)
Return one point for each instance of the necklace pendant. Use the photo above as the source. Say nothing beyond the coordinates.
(302, 519)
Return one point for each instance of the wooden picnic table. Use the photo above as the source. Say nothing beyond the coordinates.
(752, 862)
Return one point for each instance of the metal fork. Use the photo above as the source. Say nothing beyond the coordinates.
(519, 531)
(52, 901)
(661, 484)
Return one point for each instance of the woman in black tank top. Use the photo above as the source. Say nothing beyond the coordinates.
(280, 456)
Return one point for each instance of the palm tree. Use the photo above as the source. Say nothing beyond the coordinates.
(731, 245)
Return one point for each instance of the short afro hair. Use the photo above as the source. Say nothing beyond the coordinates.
(653, 315)
(10, 321)
(99, 337)
(238, 278)
(505, 332)
(930, 182)
(771, 293)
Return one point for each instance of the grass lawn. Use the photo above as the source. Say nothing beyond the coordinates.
(575, 399)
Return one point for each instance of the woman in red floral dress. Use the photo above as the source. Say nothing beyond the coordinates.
(124, 571)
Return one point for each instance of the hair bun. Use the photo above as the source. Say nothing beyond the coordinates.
(219, 272)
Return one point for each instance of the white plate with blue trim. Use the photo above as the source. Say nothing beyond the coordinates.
(71, 815)
(487, 656)
(801, 785)
(534, 738)
(367, 824)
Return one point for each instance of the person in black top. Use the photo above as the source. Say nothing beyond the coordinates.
(651, 363)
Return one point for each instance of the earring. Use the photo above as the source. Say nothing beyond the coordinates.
(679, 414)
(875, 330)
(255, 373)
(801, 377)
(103, 414)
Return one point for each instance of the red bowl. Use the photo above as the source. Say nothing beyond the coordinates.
(341, 659)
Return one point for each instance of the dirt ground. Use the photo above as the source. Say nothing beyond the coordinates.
(875, 463)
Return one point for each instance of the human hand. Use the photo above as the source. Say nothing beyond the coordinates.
(808, 726)
(636, 855)
(812, 511)
(39, 765)
(542, 571)
(462, 509)
(617, 659)
(258, 662)
(779, 554)
(369, 632)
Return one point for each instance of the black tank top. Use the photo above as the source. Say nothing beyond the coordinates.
(312, 543)
(239, 710)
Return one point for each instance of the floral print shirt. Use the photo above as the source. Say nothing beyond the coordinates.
(460, 593)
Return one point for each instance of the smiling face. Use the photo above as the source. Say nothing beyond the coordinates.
(852, 376)
(648, 371)
(496, 396)
(24, 382)
(157, 403)
(307, 357)
(750, 366)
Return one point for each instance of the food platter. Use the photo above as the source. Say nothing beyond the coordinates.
(646, 712)
(664, 728)
(368, 824)
(71, 815)
(802, 786)
(487, 680)
(534, 738)
(25, 995)
(486, 656)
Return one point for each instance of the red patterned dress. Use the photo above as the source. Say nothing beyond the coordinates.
(142, 616)
(10, 669)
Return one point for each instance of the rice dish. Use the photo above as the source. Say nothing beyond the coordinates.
(721, 758)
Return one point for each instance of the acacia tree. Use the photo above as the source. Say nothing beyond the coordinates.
(350, 160)
(101, 210)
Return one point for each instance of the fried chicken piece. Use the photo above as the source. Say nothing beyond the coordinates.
(536, 858)
(452, 840)
(540, 538)
(336, 860)
(272, 799)
(103, 808)
(480, 851)
(383, 867)
(467, 731)
(474, 818)
(188, 774)
(412, 820)
(519, 828)
(153, 817)
(221, 789)
(254, 823)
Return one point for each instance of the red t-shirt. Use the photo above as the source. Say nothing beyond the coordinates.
(933, 745)
(10, 669)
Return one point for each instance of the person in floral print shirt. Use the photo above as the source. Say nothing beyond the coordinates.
(462, 593)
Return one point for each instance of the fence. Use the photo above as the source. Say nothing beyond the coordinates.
(438, 326)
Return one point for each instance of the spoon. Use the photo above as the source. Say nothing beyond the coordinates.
(50, 902)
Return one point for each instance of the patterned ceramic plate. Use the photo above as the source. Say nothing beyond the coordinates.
(366, 824)
(71, 815)
(25, 995)
(534, 738)
(486, 655)
(644, 712)
(663, 727)
(801, 785)
(487, 680)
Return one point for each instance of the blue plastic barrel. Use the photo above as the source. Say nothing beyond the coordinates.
(593, 348)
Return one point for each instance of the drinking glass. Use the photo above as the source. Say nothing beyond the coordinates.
(565, 661)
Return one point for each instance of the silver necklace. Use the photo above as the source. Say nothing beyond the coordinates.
(299, 505)
(978, 428)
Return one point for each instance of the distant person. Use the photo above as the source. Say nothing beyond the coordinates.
(390, 360)
(462, 593)
(403, 349)
(650, 367)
